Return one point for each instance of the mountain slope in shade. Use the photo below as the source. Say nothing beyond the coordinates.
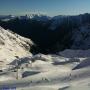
(75, 53)
(13, 45)
(81, 38)
(84, 63)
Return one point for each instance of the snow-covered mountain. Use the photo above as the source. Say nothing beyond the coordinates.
(7, 17)
(53, 33)
(12, 46)
(20, 69)
(68, 70)
(38, 17)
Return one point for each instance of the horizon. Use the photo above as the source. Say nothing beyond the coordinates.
(48, 7)
(43, 14)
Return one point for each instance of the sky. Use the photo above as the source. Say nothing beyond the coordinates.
(49, 7)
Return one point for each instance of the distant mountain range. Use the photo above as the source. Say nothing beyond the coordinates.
(39, 17)
(51, 34)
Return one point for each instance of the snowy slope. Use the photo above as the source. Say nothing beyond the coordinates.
(12, 45)
(50, 77)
